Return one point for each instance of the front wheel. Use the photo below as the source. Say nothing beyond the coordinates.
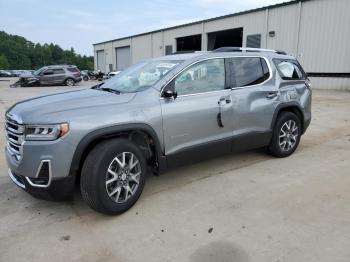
(113, 176)
(286, 135)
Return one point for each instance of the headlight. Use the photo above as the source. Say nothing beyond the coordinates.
(45, 132)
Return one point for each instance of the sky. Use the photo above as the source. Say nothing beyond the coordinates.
(81, 23)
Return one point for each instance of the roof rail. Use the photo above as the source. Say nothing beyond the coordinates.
(248, 49)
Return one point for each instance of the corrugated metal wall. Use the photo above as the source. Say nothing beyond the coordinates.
(317, 32)
(324, 38)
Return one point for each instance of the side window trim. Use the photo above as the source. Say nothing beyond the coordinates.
(170, 83)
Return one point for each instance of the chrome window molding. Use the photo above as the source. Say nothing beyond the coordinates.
(218, 57)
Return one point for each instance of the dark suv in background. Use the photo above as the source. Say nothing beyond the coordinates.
(51, 75)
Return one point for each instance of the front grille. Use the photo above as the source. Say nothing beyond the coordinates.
(14, 137)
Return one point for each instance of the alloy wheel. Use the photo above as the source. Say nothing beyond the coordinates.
(288, 135)
(123, 177)
(70, 82)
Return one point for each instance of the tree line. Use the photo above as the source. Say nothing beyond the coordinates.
(16, 52)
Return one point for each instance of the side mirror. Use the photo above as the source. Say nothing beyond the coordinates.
(170, 93)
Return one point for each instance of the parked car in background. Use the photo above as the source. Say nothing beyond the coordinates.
(50, 75)
(156, 115)
(4, 73)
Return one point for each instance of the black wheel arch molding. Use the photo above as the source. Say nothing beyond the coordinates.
(69, 77)
(93, 138)
(295, 108)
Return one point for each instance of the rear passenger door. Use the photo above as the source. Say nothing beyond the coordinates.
(254, 99)
(59, 75)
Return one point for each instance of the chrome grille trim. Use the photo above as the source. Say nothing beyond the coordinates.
(14, 137)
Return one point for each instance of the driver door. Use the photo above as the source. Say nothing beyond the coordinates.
(198, 122)
(47, 77)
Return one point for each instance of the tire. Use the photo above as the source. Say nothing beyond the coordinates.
(69, 82)
(286, 135)
(85, 78)
(101, 167)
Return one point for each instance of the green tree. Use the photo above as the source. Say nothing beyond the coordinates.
(4, 63)
(23, 54)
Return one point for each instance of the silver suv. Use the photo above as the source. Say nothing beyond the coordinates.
(153, 116)
(51, 75)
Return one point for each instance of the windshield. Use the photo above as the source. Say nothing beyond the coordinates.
(140, 76)
(37, 72)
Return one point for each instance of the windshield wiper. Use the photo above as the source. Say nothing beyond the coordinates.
(107, 89)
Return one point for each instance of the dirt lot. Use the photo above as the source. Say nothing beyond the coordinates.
(246, 207)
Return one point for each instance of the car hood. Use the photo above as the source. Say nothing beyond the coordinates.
(27, 75)
(43, 108)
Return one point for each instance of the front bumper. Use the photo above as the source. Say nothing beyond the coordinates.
(43, 170)
(59, 189)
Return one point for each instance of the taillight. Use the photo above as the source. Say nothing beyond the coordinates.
(77, 74)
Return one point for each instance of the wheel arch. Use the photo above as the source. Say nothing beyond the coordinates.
(289, 107)
(68, 77)
(131, 131)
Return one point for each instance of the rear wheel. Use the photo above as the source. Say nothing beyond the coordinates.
(69, 82)
(286, 135)
(113, 176)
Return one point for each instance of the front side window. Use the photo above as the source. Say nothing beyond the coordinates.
(289, 70)
(140, 76)
(39, 71)
(202, 77)
(48, 72)
(250, 71)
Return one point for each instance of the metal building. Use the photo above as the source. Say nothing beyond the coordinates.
(317, 32)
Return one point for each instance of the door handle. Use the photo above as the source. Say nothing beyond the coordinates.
(271, 95)
(226, 99)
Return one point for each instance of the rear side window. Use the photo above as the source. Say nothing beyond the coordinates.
(72, 69)
(250, 71)
(57, 71)
(289, 69)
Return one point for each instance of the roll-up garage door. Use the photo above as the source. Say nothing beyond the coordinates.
(123, 57)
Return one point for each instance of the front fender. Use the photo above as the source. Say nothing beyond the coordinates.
(85, 144)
